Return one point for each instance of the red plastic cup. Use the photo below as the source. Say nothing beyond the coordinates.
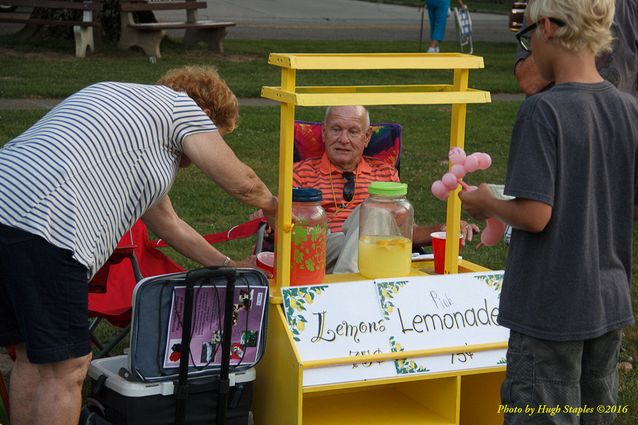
(266, 261)
(438, 249)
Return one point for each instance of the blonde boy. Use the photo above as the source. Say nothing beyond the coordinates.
(572, 172)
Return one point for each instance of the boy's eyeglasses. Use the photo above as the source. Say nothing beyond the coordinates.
(348, 187)
(524, 36)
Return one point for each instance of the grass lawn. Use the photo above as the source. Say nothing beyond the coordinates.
(48, 69)
(40, 72)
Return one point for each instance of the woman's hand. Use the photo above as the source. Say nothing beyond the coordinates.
(271, 214)
(260, 214)
(255, 215)
(251, 262)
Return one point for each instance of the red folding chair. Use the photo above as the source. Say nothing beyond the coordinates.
(111, 289)
(136, 256)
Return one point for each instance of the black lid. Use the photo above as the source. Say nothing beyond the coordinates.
(305, 194)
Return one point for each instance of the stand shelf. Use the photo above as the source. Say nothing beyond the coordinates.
(375, 95)
(405, 403)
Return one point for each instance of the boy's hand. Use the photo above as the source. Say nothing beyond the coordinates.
(475, 202)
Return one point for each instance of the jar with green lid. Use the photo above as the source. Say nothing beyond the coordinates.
(385, 231)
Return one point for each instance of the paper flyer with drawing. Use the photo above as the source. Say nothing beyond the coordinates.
(249, 304)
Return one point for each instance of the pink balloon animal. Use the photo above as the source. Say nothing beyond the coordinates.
(460, 165)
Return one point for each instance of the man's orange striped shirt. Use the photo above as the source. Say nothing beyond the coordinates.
(319, 173)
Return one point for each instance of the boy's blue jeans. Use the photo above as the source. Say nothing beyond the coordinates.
(548, 381)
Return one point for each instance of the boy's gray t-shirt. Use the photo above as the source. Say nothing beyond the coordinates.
(574, 148)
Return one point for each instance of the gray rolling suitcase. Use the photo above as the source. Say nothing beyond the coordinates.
(183, 368)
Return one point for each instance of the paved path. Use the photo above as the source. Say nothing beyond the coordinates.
(337, 20)
(329, 20)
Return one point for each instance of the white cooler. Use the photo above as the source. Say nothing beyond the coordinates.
(127, 403)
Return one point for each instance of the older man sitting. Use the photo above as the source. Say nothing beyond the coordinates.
(343, 175)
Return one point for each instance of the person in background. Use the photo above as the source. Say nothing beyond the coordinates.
(71, 185)
(618, 66)
(343, 175)
(566, 291)
(438, 12)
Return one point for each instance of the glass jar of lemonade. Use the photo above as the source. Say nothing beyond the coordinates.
(308, 239)
(385, 231)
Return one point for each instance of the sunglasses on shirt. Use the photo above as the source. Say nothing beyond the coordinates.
(348, 187)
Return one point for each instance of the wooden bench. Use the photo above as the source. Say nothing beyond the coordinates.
(148, 35)
(82, 28)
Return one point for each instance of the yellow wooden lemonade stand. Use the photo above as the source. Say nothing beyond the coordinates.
(281, 397)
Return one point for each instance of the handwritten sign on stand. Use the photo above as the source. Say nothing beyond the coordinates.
(392, 315)
(443, 311)
(337, 320)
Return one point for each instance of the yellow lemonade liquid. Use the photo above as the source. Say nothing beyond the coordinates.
(384, 256)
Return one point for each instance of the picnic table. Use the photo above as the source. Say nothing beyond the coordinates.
(148, 35)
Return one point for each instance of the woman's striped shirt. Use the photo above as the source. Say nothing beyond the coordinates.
(82, 175)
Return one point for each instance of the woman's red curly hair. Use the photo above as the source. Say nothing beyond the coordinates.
(204, 85)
